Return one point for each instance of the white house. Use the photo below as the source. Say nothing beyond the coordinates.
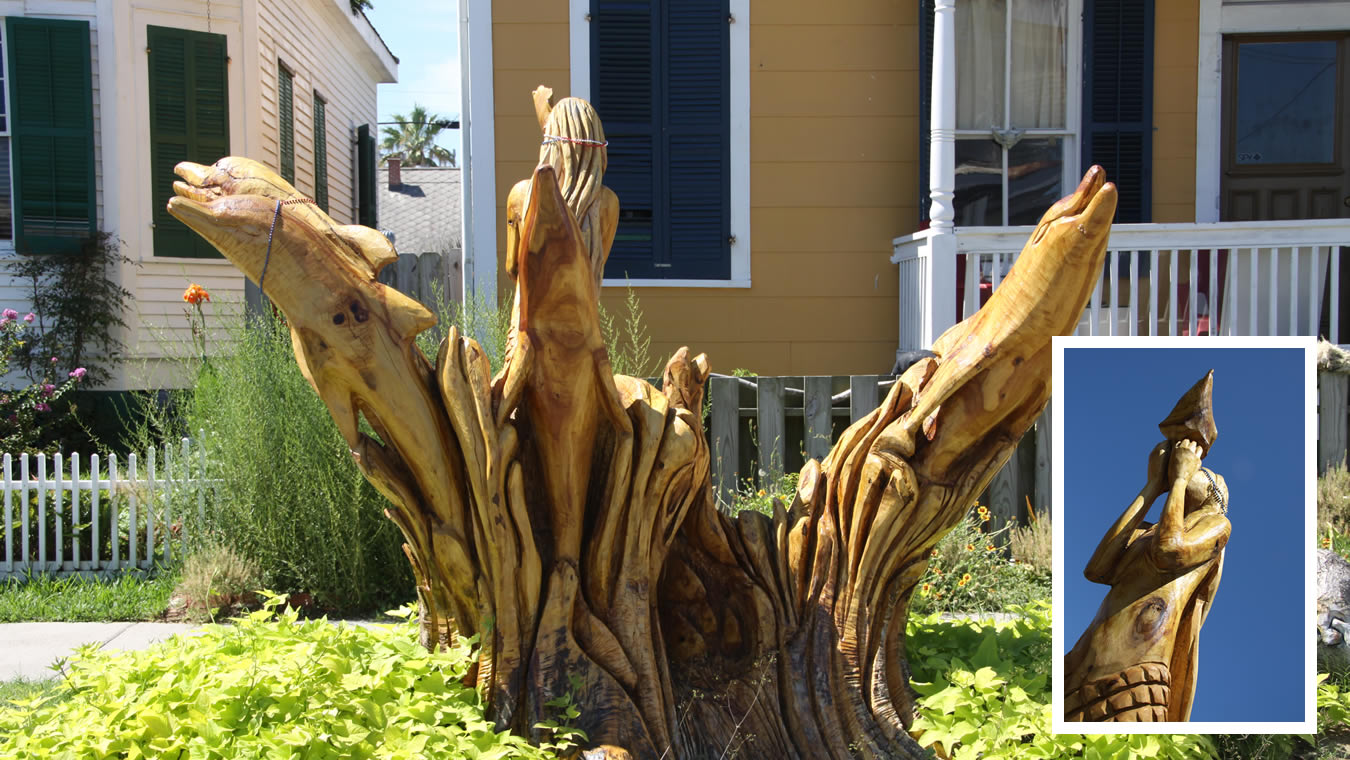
(104, 97)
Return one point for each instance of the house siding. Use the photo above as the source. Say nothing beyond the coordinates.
(1176, 31)
(345, 71)
(833, 168)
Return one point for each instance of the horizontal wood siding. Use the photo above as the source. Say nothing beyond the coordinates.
(1176, 29)
(833, 162)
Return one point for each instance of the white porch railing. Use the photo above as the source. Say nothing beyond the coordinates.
(1230, 278)
(65, 520)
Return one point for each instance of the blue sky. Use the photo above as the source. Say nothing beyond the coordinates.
(424, 35)
(1254, 637)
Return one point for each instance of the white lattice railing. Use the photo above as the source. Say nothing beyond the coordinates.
(1232, 278)
(112, 514)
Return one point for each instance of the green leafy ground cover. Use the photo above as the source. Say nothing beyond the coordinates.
(270, 686)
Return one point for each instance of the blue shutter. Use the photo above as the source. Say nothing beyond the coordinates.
(1118, 100)
(660, 81)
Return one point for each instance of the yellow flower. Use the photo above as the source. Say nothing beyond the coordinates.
(1326, 542)
(982, 509)
(970, 547)
(989, 547)
(926, 588)
(933, 553)
(984, 517)
(964, 580)
(761, 492)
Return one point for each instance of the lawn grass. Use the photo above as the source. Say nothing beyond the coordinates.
(131, 596)
(23, 688)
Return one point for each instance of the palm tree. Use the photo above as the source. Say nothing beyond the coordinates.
(413, 139)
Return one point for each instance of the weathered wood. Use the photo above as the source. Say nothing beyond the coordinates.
(1138, 659)
(771, 432)
(817, 408)
(1042, 500)
(566, 516)
(862, 396)
(1332, 391)
(726, 436)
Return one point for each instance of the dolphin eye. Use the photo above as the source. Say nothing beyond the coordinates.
(359, 311)
(339, 318)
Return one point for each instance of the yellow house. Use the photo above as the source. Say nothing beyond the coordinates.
(807, 188)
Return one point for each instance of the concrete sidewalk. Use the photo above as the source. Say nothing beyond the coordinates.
(28, 649)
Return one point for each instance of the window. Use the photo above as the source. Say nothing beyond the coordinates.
(660, 79)
(189, 121)
(1013, 130)
(320, 154)
(50, 126)
(286, 122)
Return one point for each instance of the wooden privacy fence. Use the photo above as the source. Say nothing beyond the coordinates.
(112, 515)
(431, 278)
(1333, 418)
(761, 427)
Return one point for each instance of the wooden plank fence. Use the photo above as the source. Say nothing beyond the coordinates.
(427, 277)
(761, 427)
(1333, 419)
(114, 515)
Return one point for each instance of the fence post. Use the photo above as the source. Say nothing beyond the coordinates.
(772, 430)
(95, 548)
(9, 517)
(75, 511)
(1044, 465)
(42, 512)
(1332, 388)
(862, 396)
(819, 417)
(131, 492)
(23, 507)
(726, 435)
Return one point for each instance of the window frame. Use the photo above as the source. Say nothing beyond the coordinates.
(739, 137)
(1072, 131)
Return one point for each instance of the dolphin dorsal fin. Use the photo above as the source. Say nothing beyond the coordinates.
(407, 316)
(371, 246)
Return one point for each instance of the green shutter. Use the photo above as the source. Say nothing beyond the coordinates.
(365, 177)
(286, 122)
(320, 154)
(52, 134)
(189, 121)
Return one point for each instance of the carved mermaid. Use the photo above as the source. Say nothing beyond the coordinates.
(1138, 658)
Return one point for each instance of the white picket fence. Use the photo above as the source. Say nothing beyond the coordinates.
(113, 515)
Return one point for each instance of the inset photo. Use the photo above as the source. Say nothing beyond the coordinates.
(1184, 532)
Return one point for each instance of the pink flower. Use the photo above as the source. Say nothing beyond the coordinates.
(78, 373)
(9, 314)
(4, 321)
(53, 360)
(29, 317)
(42, 406)
(48, 389)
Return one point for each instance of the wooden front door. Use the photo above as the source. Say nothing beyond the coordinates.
(1286, 139)
(1286, 146)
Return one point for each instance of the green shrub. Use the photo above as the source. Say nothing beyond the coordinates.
(969, 572)
(269, 688)
(1333, 500)
(628, 344)
(288, 496)
(985, 692)
(215, 578)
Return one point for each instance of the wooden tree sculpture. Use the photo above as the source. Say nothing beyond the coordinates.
(564, 515)
(1137, 661)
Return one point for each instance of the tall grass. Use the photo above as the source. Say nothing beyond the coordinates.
(289, 498)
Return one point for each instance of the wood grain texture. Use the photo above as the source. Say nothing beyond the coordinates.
(566, 516)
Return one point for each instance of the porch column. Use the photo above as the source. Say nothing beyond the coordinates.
(941, 311)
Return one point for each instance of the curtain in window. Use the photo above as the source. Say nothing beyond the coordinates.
(1038, 37)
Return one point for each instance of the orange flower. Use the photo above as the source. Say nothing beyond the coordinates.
(1326, 542)
(964, 580)
(761, 492)
(195, 294)
(933, 553)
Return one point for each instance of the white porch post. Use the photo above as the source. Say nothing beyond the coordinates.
(478, 152)
(941, 300)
